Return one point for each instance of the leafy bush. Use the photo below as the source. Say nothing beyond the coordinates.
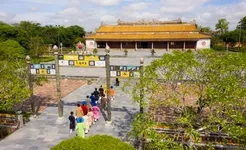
(219, 48)
(98, 142)
(38, 60)
(95, 51)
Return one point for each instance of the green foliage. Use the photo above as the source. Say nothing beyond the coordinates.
(97, 142)
(8, 32)
(219, 48)
(243, 23)
(213, 79)
(11, 50)
(95, 51)
(37, 46)
(37, 60)
(78, 39)
(13, 84)
(222, 26)
(205, 29)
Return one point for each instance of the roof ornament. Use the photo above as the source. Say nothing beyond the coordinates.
(150, 22)
(102, 23)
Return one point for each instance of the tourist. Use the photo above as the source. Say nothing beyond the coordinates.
(103, 102)
(88, 100)
(78, 112)
(111, 93)
(95, 111)
(101, 90)
(80, 127)
(90, 117)
(87, 127)
(96, 94)
(84, 107)
(72, 122)
(93, 100)
(117, 82)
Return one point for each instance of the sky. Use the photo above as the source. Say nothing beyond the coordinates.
(90, 13)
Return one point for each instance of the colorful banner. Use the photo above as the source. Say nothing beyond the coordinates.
(43, 71)
(124, 71)
(71, 57)
(81, 63)
(92, 57)
(63, 62)
(124, 74)
(82, 60)
(100, 63)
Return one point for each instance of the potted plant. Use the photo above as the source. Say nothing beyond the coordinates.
(95, 51)
(152, 52)
(126, 51)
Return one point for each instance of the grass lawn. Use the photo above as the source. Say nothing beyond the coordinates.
(37, 60)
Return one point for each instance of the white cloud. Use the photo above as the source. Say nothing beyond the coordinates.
(137, 6)
(108, 19)
(70, 11)
(90, 13)
(180, 6)
(40, 17)
(2, 14)
(35, 9)
(105, 2)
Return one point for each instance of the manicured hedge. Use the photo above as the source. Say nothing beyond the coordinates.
(98, 142)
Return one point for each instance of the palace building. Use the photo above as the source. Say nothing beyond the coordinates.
(154, 34)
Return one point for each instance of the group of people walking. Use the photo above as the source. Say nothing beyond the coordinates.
(87, 113)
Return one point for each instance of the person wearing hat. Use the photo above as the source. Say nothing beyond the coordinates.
(80, 127)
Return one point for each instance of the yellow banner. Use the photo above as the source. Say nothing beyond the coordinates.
(71, 57)
(124, 74)
(42, 71)
(81, 63)
(95, 58)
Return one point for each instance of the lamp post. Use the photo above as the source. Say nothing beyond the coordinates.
(240, 32)
(107, 50)
(30, 84)
(58, 88)
(61, 47)
(141, 85)
(58, 36)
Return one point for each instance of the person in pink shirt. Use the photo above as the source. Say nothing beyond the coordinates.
(95, 111)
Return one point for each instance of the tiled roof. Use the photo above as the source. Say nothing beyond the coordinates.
(144, 36)
(148, 28)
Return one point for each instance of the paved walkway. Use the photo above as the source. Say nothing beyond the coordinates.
(46, 130)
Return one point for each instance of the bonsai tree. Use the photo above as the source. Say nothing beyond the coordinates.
(126, 51)
(95, 51)
(153, 52)
(97, 142)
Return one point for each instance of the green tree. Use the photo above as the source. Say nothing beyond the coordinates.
(10, 32)
(73, 32)
(222, 26)
(50, 34)
(194, 91)
(79, 39)
(10, 50)
(13, 84)
(37, 46)
(205, 29)
(243, 23)
(32, 29)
